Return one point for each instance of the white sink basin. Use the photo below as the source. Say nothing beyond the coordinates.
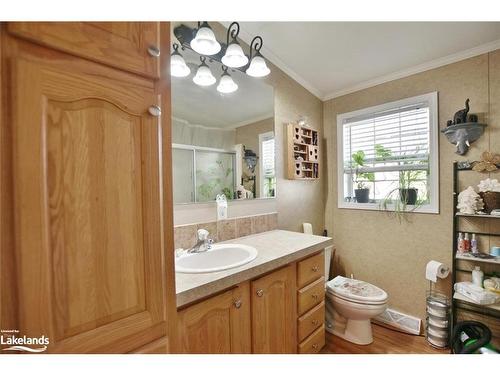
(219, 257)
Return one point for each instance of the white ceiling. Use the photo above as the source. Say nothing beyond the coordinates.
(334, 58)
(252, 102)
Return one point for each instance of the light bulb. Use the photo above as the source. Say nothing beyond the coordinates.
(234, 56)
(204, 42)
(178, 67)
(204, 76)
(258, 67)
(226, 84)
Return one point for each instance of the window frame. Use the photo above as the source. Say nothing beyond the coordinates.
(262, 137)
(432, 99)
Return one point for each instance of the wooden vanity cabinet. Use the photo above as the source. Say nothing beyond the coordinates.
(122, 45)
(217, 325)
(91, 212)
(274, 312)
(310, 303)
(281, 312)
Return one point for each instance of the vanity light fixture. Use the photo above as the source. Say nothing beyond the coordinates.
(234, 56)
(204, 76)
(178, 67)
(226, 84)
(205, 42)
(258, 67)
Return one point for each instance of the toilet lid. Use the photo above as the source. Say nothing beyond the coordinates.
(355, 290)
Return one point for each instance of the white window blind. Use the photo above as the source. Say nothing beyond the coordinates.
(268, 157)
(392, 140)
(388, 148)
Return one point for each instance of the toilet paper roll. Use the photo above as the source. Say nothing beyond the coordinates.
(435, 269)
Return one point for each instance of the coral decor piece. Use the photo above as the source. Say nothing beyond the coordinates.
(489, 162)
(469, 202)
(489, 185)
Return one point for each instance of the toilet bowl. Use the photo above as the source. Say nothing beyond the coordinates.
(350, 305)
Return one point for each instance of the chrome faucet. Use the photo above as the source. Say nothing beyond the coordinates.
(204, 243)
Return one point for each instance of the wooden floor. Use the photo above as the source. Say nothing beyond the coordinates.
(385, 341)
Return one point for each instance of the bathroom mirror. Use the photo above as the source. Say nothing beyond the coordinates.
(222, 143)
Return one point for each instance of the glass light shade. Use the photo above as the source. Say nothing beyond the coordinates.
(226, 84)
(258, 67)
(234, 56)
(204, 76)
(178, 67)
(204, 42)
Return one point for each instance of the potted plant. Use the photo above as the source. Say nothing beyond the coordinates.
(408, 194)
(362, 192)
(404, 198)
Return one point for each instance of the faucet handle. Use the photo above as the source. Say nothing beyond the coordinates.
(202, 234)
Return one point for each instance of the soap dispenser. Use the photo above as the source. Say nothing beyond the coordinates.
(221, 207)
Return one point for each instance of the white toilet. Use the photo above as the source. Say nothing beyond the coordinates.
(350, 304)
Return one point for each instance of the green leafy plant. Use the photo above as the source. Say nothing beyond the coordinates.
(358, 159)
(397, 202)
(215, 184)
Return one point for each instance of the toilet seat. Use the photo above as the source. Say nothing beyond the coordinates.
(357, 291)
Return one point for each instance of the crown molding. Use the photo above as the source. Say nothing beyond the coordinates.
(475, 51)
(269, 55)
(442, 61)
(228, 127)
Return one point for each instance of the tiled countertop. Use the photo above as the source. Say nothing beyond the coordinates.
(275, 249)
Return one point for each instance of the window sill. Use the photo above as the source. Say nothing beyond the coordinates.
(427, 209)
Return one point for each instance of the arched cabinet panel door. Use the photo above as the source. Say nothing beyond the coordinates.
(87, 206)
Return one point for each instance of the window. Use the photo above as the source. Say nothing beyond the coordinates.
(388, 156)
(267, 168)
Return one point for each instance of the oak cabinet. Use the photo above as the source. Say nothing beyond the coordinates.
(259, 316)
(87, 191)
(310, 304)
(274, 313)
(122, 45)
(218, 325)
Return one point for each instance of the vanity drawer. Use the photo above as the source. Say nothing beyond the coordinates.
(313, 343)
(310, 269)
(311, 321)
(311, 295)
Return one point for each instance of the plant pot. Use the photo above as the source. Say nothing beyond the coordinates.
(408, 196)
(362, 195)
(491, 200)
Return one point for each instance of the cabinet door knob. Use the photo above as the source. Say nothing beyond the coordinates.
(314, 322)
(237, 303)
(154, 110)
(314, 296)
(154, 51)
(260, 292)
(315, 346)
(315, 269)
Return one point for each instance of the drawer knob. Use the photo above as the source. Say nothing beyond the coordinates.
(154, 110)
(314, 322)
(315, 346)
(237, 303)
(315, 296)
(315, 269)
(154, 51)
(260, 293)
